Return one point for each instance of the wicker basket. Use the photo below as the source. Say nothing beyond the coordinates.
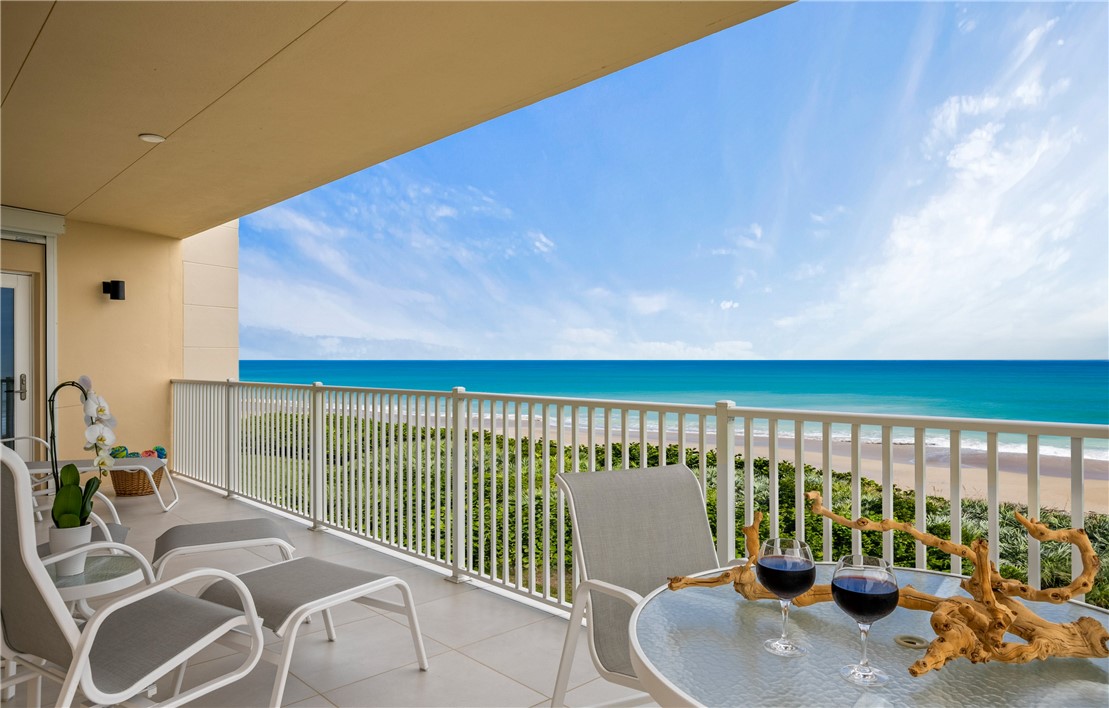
(134, 484)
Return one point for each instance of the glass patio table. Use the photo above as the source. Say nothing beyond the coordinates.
(703, 646)
(103, 575)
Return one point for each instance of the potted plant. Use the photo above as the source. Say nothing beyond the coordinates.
(70, 512)
(72, 505)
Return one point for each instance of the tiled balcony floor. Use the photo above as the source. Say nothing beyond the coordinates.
(485, 649)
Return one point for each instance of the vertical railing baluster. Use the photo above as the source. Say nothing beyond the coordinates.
(644, 458)
(956, 494)
(748, 469)
(533, 539)
(920, 496)
(625, 442)
(1077, 505)
(545, 547)
(458, 517)
(1033, 461)
(856, 486)
(826, 470)
(799, 479)
(494, 456)
(410, 470)
(725, 482)
(772, 471)
(506, 571)
(317, 459)
(481, 487)
(233, 445)
(662, 442)
(517, 476)
(560, 524)
(993, 504)
(887, 490)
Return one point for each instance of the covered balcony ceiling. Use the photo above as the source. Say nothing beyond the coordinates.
(261, 101)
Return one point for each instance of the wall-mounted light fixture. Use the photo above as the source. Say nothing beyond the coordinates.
(114, 289)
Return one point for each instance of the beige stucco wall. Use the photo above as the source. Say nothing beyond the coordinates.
(131, 348)
(211, 303)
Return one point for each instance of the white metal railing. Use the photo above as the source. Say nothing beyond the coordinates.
(465, 479)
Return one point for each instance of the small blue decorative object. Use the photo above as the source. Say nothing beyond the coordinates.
(134, 454)
(118, 452)
(161, 452)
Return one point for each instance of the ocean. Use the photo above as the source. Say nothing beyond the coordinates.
(1051, 391)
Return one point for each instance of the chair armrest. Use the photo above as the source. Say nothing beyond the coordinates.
(27, 437)
(144, 564)
(621, 593)
(99, 523)
(88, 634)
(99, 496)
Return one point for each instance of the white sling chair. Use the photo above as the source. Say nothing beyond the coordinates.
(633, 529)
(129, 643)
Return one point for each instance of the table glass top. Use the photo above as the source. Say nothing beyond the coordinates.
(708, 642)
(98, 569)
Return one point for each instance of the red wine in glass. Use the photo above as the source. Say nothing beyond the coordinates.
(785, 568)
(866, 589)
(786, 576)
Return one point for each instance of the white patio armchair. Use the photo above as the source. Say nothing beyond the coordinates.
(633, 529)
(129, 643)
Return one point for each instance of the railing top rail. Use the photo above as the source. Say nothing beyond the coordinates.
(988, 425)
(985, 425)
(312, 387)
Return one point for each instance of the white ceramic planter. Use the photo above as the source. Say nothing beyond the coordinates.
(65, 539)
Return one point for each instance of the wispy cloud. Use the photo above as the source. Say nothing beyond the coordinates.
(997, 237)
(829, 215)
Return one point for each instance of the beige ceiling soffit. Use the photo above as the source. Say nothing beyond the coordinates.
(21, 26)
(262, 101)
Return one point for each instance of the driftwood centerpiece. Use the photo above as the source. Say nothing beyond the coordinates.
(973, 628)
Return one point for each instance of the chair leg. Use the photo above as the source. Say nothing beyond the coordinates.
(34, 692)
(413, 624)
(569, 648)
(179, 678)
(329, 625)
(9, 672)
(283, 664)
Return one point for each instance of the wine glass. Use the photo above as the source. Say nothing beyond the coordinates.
(785, 568)
(865, 588)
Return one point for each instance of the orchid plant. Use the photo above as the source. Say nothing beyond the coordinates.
(99, 435)
(72, 505)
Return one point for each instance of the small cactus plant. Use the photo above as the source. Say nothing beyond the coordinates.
(72, 506)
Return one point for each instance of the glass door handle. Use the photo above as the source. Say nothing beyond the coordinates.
(22, 387)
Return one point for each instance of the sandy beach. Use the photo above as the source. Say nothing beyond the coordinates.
(1055, 473)
(1055, 482)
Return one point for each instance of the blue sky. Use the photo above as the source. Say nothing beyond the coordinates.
(831, 180)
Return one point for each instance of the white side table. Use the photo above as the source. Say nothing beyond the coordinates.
(103, 575)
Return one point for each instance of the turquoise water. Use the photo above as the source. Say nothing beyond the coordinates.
(1053, 391)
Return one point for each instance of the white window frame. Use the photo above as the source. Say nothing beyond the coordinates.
(39, 227)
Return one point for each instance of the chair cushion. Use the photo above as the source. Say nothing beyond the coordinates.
(212, 532)
(138, 639)
(281, 589)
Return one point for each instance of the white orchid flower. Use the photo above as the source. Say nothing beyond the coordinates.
(104, 461)
(96, 408)
(86, 382)
(99, 435)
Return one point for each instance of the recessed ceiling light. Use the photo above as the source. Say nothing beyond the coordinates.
(151, 137)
